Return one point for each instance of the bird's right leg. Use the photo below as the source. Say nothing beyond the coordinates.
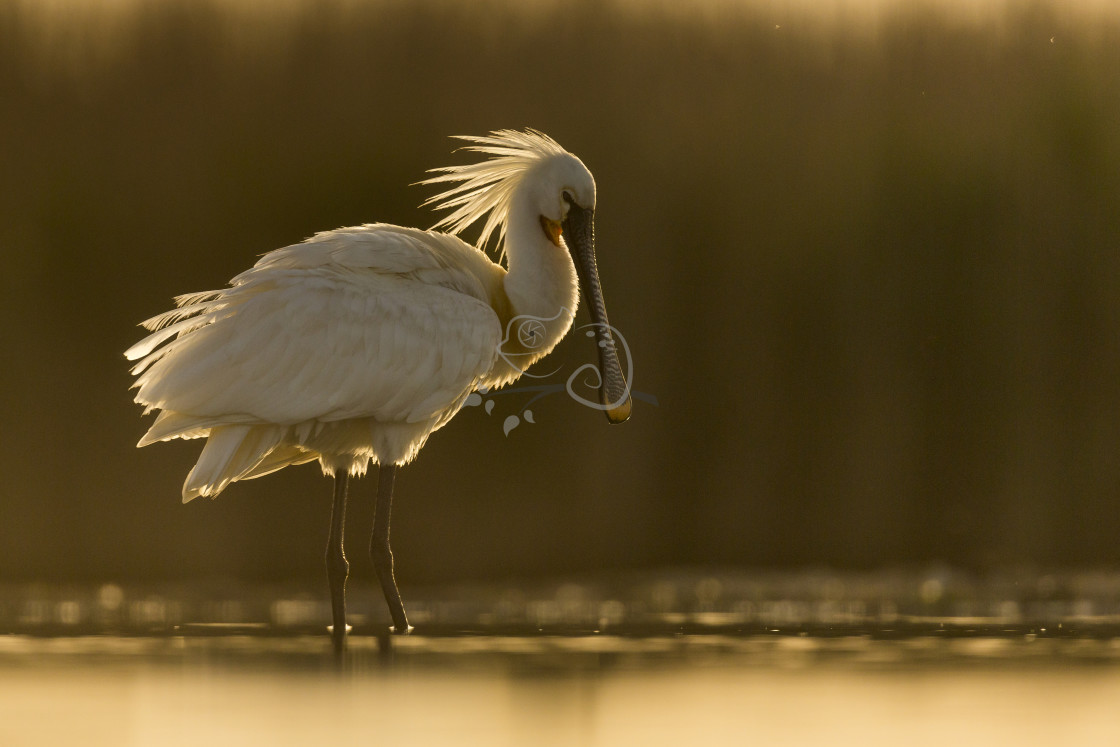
(337, 567)
(380, 551)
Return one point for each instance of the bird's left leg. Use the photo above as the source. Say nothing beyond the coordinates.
(337, 567)
(379, 549)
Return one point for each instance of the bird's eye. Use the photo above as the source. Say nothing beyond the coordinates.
(568, 196)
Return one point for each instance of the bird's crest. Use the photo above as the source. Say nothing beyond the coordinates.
(486, 188)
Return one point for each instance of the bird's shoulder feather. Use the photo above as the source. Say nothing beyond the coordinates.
(429, 256)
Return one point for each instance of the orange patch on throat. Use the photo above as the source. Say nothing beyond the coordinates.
(552, 230)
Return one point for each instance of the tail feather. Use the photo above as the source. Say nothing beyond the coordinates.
(170, 424)
(231, 453)
(279, 458)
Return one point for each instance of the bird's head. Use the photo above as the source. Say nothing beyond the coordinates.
(555, 186)
(563, 191)
(532, 169)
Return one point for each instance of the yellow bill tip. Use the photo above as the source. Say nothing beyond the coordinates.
(621, 413)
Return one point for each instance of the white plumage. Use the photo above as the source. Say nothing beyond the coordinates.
(356, 344)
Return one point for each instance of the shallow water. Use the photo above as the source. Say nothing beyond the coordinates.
(926, 657)
(559, 690)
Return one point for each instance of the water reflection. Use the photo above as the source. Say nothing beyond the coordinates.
(922, 657)
(565, 691)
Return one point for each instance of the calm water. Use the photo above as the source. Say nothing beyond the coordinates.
(579, 690)
(928, 657)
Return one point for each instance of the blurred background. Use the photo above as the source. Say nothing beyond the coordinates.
(866, 256)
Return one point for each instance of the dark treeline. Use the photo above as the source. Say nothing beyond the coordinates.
(870, 270)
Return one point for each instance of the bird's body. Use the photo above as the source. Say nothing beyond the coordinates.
(353, 345)
(356, 344)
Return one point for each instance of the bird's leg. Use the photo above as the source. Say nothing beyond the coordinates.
(337, 567)
(379, 549)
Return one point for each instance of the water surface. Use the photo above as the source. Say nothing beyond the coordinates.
(559, 690)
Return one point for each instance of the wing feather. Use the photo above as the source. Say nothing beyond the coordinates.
(342, 330)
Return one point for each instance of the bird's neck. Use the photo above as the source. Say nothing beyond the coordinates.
(542, 278)
(541, 283)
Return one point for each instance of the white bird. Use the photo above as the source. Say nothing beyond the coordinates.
(356, 344)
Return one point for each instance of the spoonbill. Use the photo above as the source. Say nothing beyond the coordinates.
(355, 345)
